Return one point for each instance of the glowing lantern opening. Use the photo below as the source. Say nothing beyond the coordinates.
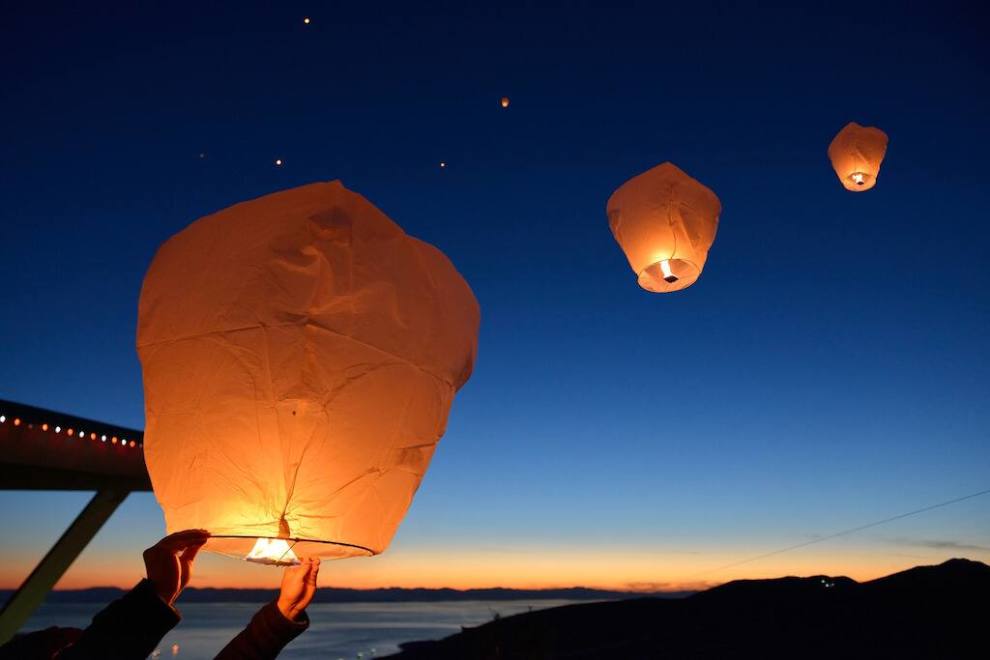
(856, 153)
(504, 101)
(273, 552)
(665, 222)
(300, 355)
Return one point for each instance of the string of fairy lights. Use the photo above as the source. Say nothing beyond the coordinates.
(80, 433)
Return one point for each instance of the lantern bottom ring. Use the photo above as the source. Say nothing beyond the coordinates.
(280, 551)
(668, 275)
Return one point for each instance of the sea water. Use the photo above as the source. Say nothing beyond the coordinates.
(352, 631)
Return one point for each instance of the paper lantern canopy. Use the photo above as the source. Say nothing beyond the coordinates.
(665, 222)
(300, 354)
(856, 153)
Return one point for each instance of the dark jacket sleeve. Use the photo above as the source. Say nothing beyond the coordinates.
(129, 627)
(265, 637)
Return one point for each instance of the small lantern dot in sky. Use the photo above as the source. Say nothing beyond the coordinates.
(278, 162)
(443, 164)
(306, 20)
(504, 102)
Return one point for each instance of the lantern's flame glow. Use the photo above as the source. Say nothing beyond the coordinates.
(668, 274)
(858, 178)
(274, 552)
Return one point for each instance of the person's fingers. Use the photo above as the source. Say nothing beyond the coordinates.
(181, 540)
(188, 555)
(313, 572)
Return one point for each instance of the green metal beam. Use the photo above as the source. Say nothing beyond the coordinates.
(35, 588)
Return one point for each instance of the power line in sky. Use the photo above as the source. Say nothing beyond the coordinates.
(844, 532)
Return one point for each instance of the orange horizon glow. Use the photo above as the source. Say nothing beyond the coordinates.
(615, 571)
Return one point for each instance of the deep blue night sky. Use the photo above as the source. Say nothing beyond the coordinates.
(829, 368)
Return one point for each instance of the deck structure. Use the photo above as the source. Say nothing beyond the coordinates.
(45, 450)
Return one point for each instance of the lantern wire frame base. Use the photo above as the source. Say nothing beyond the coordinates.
(859, 181)
(239, 547)
(668, 275)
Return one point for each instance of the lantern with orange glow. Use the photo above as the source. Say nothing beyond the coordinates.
(300, 354)
(856, 153)
(665, 222)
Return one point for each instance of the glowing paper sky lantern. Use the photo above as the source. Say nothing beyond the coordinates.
(665, 222)
(856, 153)
(300, 355)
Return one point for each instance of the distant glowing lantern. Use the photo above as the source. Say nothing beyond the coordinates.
(300, 354)
(665, 222)
(504, 102)
(856, 153)
(278, 162)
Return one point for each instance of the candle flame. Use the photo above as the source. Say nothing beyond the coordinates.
(668, 274)
(274, 552)
(859, 178)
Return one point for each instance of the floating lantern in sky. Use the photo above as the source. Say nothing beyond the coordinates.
(504, 102)
(856, 153)
(665, 222)
(300, 354)
(278, 162)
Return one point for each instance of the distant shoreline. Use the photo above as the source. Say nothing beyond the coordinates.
(336, 595)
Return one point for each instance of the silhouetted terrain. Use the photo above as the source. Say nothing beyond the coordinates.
(335, 595)
(938, 612)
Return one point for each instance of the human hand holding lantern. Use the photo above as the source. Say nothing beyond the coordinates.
(298, 587)
(169, 562)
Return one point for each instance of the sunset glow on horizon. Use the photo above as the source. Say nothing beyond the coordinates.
(664, 566)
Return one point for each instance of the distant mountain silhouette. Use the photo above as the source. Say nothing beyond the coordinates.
(938, 612)
(103, 595)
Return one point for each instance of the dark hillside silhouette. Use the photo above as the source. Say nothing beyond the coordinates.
(925, 612)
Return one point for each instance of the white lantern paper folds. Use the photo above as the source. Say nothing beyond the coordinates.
(300, 354)
(665, 222)
(856, 153)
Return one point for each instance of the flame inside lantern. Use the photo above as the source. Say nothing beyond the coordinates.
(668, 274)
(274, 552)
